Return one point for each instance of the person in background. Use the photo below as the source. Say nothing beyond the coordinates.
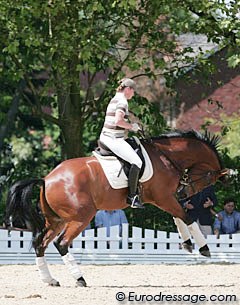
(200, 207)
(228, 220)
(107, 219)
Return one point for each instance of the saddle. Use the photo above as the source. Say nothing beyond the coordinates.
(134, 142)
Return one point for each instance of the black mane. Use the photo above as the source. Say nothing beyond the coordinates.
(212, 141)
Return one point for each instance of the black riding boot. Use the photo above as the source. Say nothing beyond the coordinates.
(133, 197)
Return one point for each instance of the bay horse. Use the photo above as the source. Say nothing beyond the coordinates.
(70, 195)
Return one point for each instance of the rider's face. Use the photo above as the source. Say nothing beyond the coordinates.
(128, 92)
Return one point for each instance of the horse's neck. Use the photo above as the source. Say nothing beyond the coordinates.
(179, 152)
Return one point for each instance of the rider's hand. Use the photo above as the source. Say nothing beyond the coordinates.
(135, 127)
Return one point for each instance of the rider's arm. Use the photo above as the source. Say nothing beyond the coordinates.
(119, 120)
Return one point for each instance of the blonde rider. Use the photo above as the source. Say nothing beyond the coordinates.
(113, 136)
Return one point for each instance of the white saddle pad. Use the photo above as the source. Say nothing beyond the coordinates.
(112, 166)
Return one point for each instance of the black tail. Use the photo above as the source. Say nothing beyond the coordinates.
(19, 206)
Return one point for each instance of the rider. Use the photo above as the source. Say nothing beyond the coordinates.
(113, 136)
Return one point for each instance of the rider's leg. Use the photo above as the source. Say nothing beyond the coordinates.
(122, 149)
(133, 197)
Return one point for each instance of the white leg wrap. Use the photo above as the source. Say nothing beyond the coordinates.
(182, 229)
(73, 268)
(197, 234)
(43, 270)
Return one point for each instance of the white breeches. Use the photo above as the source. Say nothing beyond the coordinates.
(121, 148)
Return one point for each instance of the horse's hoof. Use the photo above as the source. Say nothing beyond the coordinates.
(54, 283)
(205, 251)
(187, 247)
(81, 282)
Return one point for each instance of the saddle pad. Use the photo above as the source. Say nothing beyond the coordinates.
(112, 166)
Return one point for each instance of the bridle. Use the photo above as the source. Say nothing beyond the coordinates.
(187, 185)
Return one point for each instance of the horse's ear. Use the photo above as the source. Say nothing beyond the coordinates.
(225, 171)
(223, 174)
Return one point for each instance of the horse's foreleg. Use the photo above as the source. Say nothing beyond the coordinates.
(173, 207)
(184, 233)
(199, 239)
(182, 228)
(62, 243)
(193, 229)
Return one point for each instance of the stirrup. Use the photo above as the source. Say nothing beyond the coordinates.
(135, 202)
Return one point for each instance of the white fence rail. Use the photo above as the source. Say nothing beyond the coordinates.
(133, 246)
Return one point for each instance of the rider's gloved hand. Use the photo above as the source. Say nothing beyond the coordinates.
(135, 127)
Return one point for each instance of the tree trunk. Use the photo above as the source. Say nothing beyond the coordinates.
(70, 115)
(72, 135)
(12, 112)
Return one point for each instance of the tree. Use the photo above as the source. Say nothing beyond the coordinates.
(74, 42)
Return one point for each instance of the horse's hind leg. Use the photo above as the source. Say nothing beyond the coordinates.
(62, 243)
(40, 244)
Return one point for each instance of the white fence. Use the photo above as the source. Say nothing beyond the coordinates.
(134, 246)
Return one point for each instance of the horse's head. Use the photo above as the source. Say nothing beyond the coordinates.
(195, 157)
(194, 182)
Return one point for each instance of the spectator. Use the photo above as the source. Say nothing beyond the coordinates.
(107, 219)
(228, 220)
(200, 208)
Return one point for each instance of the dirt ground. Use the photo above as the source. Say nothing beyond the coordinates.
(136, 284)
